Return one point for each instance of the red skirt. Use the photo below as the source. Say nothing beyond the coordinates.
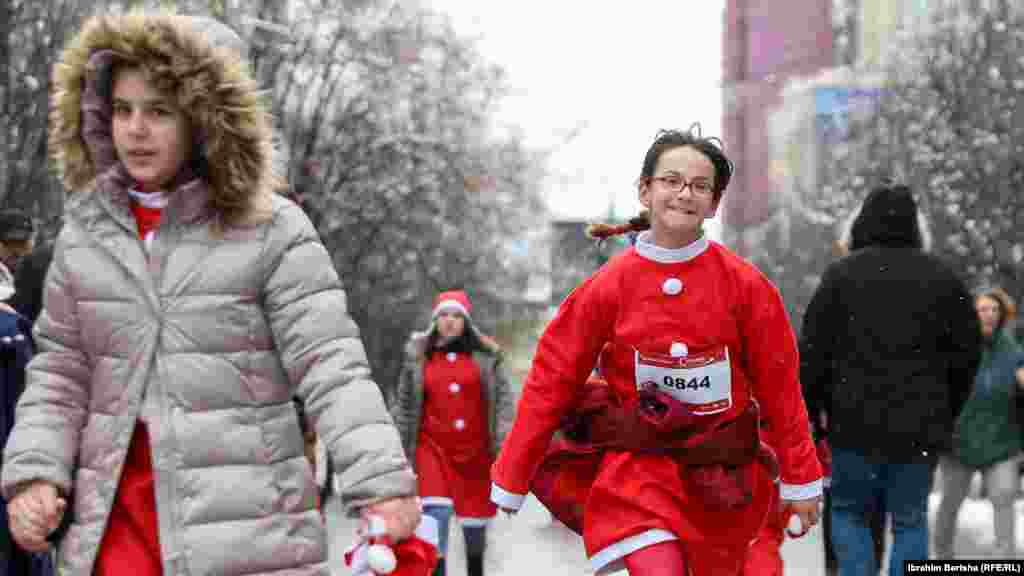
(465, 480)
(131, 543)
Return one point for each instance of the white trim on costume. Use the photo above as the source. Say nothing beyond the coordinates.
(801, 491)
(437, 501)
(450, 306)
(609, 558)
(473, 522)
(506, 499)
(646, 248)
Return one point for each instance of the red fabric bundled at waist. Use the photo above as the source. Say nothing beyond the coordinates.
(132, 536)
(714, 463)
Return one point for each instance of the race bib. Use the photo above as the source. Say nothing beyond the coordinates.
(702, 381)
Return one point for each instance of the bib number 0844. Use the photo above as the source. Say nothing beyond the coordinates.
(687, 384)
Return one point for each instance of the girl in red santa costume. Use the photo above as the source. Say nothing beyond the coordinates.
(661, 469)
(453, 407)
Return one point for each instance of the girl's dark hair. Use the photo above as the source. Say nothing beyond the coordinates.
(666, 140)
(710, 146)
(469, 341)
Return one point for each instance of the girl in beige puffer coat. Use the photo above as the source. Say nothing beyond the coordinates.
(186, 305)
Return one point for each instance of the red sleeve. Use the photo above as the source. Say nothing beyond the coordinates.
(565, 356)
(773, 366)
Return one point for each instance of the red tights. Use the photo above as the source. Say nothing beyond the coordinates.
(673, 559)
(661, 559)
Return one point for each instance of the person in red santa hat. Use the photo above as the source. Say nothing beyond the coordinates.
(695, 345)
(453, 407)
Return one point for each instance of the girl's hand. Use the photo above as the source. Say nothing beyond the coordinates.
(807, 510)
(401, 515)
(34, 513)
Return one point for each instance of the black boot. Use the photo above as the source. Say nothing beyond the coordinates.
(474, 566)
(439, 569)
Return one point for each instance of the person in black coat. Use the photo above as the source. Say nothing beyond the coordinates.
(15, 352)
(889, 347)
(29, 281)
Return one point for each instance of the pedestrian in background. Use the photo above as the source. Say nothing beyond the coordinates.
(17, 238)
(988, 434)
(187, 304)
(889, 347)
(453, 407)
(29, 280)
(15, 352)
(876, 517)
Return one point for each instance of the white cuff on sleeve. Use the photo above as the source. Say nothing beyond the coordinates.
(506, 499)
(801, 491)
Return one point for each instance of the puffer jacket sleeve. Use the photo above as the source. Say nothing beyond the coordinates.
(53, 408)
(322, 352)
(403, 409)
(504, 405)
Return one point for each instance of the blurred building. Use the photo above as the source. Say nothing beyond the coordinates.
(790, 83)
(763, 48)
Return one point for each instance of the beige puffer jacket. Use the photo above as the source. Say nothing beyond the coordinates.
(233, 313)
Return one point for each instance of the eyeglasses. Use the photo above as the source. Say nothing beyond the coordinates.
(675, 184)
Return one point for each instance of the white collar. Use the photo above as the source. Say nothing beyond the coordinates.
(646, 248)
(149, 199)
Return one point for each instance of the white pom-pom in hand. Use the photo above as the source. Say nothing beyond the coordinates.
(381, 558)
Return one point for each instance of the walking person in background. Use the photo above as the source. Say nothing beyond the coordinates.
(15, 351)
(876, 517)
(29, 281)
(988, 435)
(453, 407)
(665, 473)
(17, 238)
(186, 305)
(889, 347)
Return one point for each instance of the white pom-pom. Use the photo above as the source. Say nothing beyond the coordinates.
(795, 526)
(382, 559)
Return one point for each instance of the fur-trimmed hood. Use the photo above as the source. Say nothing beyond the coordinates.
(202, 63)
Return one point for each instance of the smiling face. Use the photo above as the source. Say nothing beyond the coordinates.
(151, 134)
(677, 215)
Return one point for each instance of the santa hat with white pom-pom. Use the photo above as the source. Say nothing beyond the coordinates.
(375, 555)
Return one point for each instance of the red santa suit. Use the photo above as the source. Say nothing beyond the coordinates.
(453, 449)
(704, 326)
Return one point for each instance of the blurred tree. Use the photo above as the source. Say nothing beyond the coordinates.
(944, 117)
(31, 33)
(385, 125)
(951, 125)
